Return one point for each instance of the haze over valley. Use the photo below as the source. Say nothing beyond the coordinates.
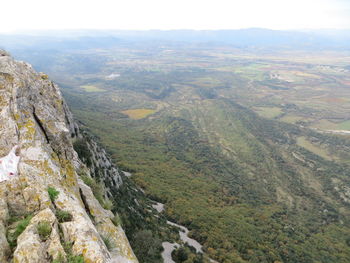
(244, 137)
(175, 131)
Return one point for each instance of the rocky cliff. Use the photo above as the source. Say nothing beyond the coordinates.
(49, 212)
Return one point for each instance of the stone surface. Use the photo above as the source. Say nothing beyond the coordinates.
(34, 116)
(31, 248)
(4, 246)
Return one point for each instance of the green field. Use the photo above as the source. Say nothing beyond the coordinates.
(344, 125)
(269, 112)
(90, 88)
(138, 114)
(303, 142)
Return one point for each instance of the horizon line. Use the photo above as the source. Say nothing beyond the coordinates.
(22, 31)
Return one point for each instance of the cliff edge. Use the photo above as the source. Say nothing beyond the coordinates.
(47, 212)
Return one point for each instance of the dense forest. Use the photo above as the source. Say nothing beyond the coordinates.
(231, 210)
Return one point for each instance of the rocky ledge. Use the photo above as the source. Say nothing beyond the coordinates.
(47, 211)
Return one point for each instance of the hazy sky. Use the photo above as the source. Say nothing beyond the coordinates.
(174, 14)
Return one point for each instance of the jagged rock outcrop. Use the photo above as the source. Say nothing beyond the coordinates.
(34, 116)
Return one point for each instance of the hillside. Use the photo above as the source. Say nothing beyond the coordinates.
(246, 190)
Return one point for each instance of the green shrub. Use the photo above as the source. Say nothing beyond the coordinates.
(63, 216)
(88, 180)
(108, 242)
(98, 191)
(13, 219)
(147, 246)
(107, 204)
(81, 147)
(67, 246)
(116, 220)
(44, 230)
(53, 193)
(75, 259)
(187, 254)
(20, 227)
(70, 259)
(180, 254)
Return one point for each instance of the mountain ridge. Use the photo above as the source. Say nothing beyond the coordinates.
(49, 193)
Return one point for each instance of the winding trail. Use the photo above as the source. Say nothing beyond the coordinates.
(168, 249)
(183, 232)
(185, 238)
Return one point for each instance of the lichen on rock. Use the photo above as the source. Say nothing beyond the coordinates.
(34, 116)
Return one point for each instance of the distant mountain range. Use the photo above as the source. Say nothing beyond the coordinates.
(242, 38)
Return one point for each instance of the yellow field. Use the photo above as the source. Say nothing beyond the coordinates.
(138, 114)
(324, 124)
(303, 142)
(268, 112)
(90, 88)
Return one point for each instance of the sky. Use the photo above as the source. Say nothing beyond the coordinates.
(18, 15)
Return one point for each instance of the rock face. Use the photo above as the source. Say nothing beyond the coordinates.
(34, 117)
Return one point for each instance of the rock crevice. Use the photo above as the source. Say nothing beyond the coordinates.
(34, 116)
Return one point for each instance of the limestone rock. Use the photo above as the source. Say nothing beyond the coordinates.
(34, 116)
(4, 246)
(30, 247)
(121, 252)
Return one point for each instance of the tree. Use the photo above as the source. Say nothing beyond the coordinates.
(146, 246)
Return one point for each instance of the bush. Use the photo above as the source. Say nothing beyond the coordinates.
(75, 259)
(53, 193)
(108, 242)
(147, 246)
(44, 230)
(96, 188)
(116, 220)
(21, 226)
(107, 204)
(63, 216)
(180, 254)
(98, 191)
(67, 246)
(70, 259)
(81, 147)
(187, 254)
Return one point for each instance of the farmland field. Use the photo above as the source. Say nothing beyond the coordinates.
(90, 88)
(138, 114)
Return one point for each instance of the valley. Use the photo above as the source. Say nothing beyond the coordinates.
(248, 149)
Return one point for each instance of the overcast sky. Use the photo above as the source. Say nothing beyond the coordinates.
(174, 14)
